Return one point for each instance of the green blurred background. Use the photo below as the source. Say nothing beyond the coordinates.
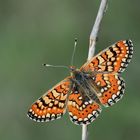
(33, 32)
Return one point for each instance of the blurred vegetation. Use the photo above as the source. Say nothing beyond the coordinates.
(33, 32)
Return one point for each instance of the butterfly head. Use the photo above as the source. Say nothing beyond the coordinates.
(72, 68)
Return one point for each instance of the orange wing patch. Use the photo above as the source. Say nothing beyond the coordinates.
(111, 88)
(82, 111)
(52, 105)
(113, 59)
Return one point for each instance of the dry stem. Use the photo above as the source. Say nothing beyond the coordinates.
(92, 43)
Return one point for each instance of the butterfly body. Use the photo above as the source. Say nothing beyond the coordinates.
(97, 83)
(84, 83)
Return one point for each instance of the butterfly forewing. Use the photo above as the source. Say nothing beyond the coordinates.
(114, 59)
(82, 110)
(52, 105)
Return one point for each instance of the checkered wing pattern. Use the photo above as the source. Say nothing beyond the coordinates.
(114, 59)
(110, 88)
(52, 105)
(81, 109)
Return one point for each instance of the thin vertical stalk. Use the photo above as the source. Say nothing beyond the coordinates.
(92, 43)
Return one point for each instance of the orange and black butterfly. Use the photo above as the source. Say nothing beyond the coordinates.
(97, 83)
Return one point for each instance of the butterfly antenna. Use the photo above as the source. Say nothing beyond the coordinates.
(74, 49)
(55, 66)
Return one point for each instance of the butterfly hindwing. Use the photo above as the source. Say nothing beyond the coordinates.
(114, 59)
(82, 110)
(52, 105)
(111, 88)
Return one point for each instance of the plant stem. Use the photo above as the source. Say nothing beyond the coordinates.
(95, 29)
(84, 132)
(92, 43)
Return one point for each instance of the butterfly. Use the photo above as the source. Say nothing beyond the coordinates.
(97, 83)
